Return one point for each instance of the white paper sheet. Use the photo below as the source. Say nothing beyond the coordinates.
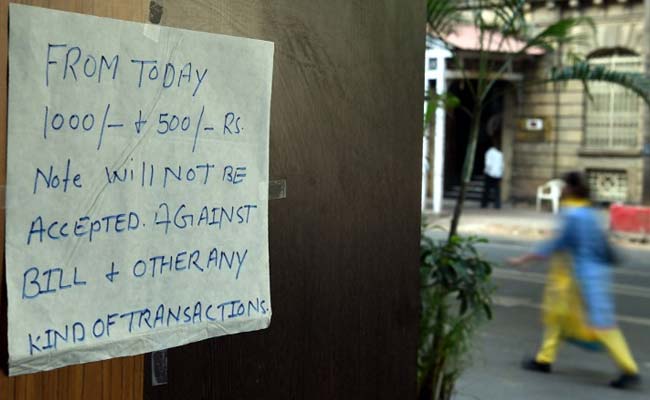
(137, 181)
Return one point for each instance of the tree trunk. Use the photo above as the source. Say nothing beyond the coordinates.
(438, 349)
(448, 383)
(432, 383)
(468, 167)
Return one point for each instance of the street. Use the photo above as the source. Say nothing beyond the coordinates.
(515, 332)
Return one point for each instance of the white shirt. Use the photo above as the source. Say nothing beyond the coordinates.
(494, 163)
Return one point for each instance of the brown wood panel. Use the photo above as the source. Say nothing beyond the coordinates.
(114, 379)
(344, 245)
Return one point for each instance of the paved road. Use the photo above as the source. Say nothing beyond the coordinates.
(516, 330)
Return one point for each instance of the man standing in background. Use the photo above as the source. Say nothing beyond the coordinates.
(493, 173)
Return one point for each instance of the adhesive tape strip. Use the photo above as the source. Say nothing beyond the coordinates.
(278, 189)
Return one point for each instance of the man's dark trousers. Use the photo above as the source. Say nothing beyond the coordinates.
(491, 185)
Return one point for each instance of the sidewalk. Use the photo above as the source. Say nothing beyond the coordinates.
(512, 223)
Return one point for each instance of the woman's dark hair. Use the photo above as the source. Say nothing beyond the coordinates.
(577, 184)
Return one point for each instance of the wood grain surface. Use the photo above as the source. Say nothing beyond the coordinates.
(121, 378)
(346, 119)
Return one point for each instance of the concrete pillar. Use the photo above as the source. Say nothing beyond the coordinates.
(439, 146)
(435, 72)
(426, 133)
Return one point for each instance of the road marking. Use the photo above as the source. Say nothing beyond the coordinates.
(628, 260)
(509, 301)
(534, 277)
(630, 272)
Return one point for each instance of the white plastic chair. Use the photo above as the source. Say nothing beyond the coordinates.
(550, 191)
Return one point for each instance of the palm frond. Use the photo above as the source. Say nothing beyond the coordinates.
(442, 15)
(510, 18)
(585, 72)
(561, 32)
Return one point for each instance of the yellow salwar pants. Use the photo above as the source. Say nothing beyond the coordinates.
(564, 318)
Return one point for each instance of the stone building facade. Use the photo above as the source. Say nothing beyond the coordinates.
(554, 128)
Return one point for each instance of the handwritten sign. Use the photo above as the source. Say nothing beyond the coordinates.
(137, 187)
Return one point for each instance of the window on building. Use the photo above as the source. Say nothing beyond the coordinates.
(608, 185)
(613, 113)
(433, 64)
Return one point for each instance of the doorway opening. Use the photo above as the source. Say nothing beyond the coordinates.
(458, 132)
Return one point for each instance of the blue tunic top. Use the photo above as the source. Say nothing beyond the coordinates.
(583, 238)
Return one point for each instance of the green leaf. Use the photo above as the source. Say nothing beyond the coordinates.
(448, 101)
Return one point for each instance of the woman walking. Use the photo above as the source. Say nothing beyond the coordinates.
(589, 276)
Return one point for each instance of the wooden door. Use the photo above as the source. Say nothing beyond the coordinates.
(346, 134)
